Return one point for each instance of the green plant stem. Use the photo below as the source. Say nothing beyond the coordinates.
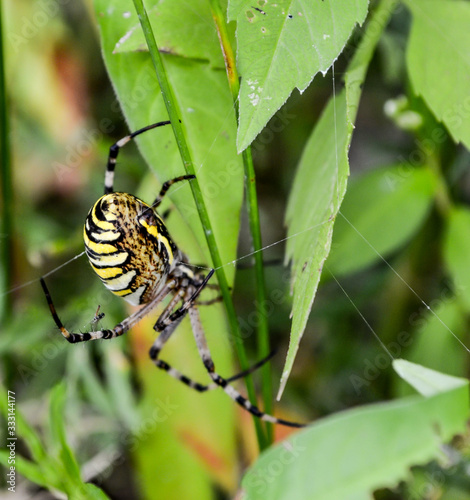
(359, 64)
(6, 228)
(444, 201)
(201, 207)
(253, 212)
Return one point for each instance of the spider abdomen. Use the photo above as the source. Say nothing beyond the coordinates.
(128, 246)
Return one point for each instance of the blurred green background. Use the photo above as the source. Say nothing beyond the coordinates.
(63, 118)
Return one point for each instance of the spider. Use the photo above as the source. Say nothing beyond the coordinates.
(131, 251)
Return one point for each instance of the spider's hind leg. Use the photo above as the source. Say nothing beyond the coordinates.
(223, 382)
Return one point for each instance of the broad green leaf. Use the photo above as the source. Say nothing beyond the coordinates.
(282, 46)
(457, 252)
(380, 212)
(439, 61)
(351, 454)
(182, 28)
(207, 115)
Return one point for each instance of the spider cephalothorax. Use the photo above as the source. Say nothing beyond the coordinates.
(130, 249)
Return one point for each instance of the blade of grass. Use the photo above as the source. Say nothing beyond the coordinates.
(253, 213)
(58, 437)
(173, 114)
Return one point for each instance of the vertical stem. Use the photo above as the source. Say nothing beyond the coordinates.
(6, 228)
(253, 212)
(201, 207)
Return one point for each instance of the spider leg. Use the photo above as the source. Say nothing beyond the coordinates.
(209, 302)
(252, 368)
(117, 331)
(114, 151)
(167, 324)
(166, 186)
(163, 365)
(224, 383)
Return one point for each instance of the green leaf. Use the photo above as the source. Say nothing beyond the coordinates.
(439, 63)
(380, 212)
(207, 114)
(170, 22)
(320, 185)
(351, 454)
(425, 381)
(282, 46)
(456, 249)
(92, 492)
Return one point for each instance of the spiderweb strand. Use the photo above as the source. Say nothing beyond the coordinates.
(31, 282)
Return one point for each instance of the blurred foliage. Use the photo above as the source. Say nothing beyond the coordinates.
(135, 432)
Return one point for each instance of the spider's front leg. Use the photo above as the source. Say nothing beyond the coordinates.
(117, 331)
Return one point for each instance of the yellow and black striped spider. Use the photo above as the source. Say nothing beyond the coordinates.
(129, 248)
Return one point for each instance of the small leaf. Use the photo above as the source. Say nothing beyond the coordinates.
(439, 63)
(439, 330)
(282, 46)
(456, 251)
(427, 382)
(352, 453)
(380, 212)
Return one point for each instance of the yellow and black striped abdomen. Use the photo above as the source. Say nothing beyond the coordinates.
(128, 246)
